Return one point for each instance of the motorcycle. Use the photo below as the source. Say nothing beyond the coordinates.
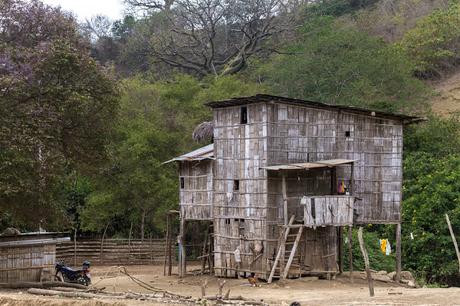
(69, 275)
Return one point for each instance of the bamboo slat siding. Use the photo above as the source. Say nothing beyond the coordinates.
(298, 134)
(240, 215)
(196, 196)
(328, 210)
(245, 202)
(114, 252)
(25, 263)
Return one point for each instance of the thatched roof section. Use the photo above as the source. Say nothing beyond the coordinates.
(204, 132)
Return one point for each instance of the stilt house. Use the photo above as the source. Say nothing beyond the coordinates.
(282, 179)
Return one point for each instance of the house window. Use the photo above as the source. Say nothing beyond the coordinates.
(227, 221)
(244, 115)
(347, 134)
(182, 183)
(241, 227)
(236, 185)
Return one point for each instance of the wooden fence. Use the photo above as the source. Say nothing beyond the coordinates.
(112, 251)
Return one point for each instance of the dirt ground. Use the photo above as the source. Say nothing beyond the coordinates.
(306, 291)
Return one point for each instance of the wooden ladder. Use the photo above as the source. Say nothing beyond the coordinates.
(280, 256)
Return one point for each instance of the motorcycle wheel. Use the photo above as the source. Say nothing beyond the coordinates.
(83, 281)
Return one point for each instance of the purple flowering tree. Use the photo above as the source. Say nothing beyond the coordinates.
(56, 106)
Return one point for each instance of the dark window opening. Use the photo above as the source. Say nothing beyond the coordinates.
(236, 185)
(182, 183)
(244, 115)
(227, 221)
(347, 134)
(241, 227)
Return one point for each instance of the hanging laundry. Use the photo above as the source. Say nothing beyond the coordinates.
(383, 245)
(411, 236)
(341, 188)
(388, 248)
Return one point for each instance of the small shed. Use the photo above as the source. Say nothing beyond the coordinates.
(25, 256)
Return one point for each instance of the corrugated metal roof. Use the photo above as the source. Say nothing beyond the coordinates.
(269, 98)
(206, 152)
(305, 166)
(19, 243)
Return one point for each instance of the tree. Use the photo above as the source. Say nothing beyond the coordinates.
(337, 64)
(434, 44)
(431, 189)
(56, 106)
(208, 37)
(155, 124)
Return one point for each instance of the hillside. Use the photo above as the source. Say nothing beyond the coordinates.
(447, 99)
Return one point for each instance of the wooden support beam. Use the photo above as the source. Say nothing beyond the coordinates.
(293, 250)
(280, 250)
(352, 179)
(454, 241)
(285, 207)
(350, 251)
(181, 240)
(366, 261)
(398, 253)
(340, 242)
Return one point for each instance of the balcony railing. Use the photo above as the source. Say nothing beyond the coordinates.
(330, 210)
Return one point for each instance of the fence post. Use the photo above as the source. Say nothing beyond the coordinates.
(151, 249)
(75, 247)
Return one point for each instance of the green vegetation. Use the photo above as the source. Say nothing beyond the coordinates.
(85, 124)
(434, 44)
(334, 63)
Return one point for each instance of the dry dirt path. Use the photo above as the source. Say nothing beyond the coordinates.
(305, 291)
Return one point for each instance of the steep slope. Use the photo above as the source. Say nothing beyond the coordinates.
(447, 100)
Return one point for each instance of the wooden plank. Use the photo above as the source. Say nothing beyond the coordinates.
(280, 253)
(398, 253)
(285, 207)
(293, 251)
(366, 261)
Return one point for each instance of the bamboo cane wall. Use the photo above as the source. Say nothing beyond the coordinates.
(25, 263)
(277, 133)
(196, 196)
(301, 134)
(240, 215)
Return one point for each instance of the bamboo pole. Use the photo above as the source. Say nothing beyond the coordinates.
(340, 242)
(166, 262)
(454, 241)
(366, 261)
(280, 250)
(293, 250)
(350, 251)
(285, 207)
(75, 247)
(398, 253)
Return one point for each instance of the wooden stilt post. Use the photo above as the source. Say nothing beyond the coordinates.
(398, 253)
(454, 241)
(182, 254)
(350, 251)
(166, 261)
(75, 247)
(285, 206)
(340, 242)
(366, 261)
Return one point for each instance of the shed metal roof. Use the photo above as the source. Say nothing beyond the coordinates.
(206, 152)
(305, 166)
(269, 98)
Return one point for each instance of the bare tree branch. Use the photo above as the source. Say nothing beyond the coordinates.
(215, 36)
